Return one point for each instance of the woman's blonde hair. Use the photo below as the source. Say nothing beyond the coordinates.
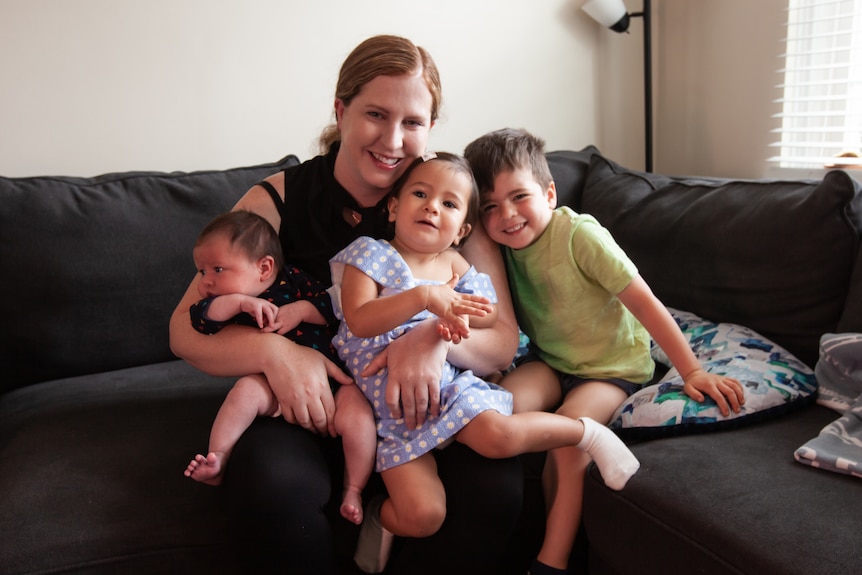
(382, 56)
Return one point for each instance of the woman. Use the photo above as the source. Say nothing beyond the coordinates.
(282, 476)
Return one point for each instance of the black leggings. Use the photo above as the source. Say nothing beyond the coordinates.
(284, 489)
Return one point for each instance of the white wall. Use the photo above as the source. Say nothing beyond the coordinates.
(715, 66)
(717, 82)
(93, 86)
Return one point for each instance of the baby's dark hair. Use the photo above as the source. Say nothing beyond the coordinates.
(248, 231)
(457, 164)
(508, 149)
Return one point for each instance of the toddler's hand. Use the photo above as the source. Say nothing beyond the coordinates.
(454, 332)
(452, 307)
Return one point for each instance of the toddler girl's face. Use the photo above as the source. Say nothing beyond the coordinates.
(430, 211)
(224, 269)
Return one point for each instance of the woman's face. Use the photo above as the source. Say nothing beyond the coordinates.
(383, 130)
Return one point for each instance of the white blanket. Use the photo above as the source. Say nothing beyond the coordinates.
(838, 447)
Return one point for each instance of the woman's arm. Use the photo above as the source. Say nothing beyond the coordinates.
(490, 348)
(297, 374)
(639, 299)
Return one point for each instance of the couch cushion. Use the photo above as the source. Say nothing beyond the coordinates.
(91, 474)
(102, 262)
(773, 380)
(775, 256)
(569, 170)
(731, 502)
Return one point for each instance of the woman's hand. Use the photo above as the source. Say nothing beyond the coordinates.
(298, 376)
(415, 362)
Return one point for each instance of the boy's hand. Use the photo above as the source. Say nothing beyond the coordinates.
(263, 312)
(725, 391)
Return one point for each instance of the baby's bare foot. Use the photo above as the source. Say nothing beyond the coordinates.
(206, 469)
(351, 505)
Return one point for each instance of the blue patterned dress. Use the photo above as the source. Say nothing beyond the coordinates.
(462, 394)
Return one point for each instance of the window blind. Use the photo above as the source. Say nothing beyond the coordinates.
(821, 117)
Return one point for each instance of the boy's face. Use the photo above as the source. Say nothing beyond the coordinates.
(517, 210)
(225, 269)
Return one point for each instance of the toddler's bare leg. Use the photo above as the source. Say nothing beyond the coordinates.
(416, 508)
(495, 435)
(250, 396)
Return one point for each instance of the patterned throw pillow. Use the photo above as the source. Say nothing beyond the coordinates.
(774, 382)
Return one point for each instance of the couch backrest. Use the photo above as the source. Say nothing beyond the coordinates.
(93, 267)
(776, 256)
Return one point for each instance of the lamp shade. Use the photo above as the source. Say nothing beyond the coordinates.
(609, 13)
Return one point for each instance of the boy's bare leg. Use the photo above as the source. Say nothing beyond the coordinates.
(565, 471)
(354, 422)
(249, 397)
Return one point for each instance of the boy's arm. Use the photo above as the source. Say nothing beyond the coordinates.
(639, 299)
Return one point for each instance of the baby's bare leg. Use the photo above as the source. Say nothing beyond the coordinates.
(250, 396)
(354, 422)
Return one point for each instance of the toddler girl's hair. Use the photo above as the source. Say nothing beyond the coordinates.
(457, 164)
(508, 149)
(248, 231)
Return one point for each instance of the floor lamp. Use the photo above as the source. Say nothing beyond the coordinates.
(612, 14)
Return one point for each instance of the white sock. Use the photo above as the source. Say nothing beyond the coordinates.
(616, 463)
(375, 541)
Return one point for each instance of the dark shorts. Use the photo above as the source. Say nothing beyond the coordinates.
(568, 381)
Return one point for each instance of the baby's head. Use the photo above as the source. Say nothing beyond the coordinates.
(438, 181)
(237, 252)
(517, 190)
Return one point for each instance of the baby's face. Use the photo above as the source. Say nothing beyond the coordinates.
(224, 269)
(517, 210)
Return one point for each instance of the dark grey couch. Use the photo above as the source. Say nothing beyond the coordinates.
(98, 419)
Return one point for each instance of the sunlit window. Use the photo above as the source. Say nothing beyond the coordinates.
(821, 118)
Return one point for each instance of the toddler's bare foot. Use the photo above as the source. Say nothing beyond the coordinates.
(206, 469)
(351, 505)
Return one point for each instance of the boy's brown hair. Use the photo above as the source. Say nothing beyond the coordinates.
(508, 149)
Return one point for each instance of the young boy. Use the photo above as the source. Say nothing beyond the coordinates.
(244, 280)
(588, 313)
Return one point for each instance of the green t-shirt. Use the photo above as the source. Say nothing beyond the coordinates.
(564, 288)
